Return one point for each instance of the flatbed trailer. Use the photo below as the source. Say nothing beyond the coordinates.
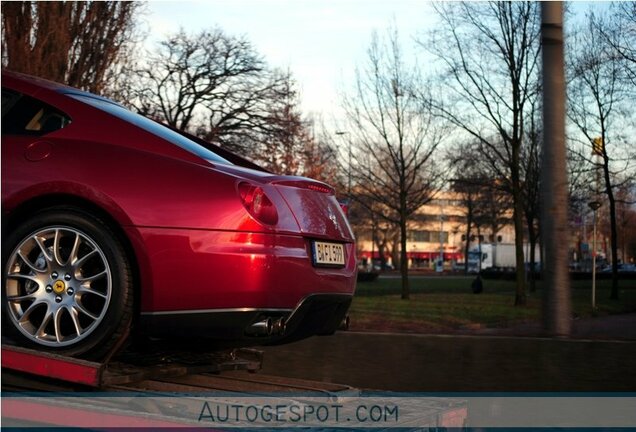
(232, 371)
(170, 389)
(224, 370)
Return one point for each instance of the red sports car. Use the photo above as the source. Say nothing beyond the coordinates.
(112, 221)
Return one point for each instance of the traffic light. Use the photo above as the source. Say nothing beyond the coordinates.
(597, 146)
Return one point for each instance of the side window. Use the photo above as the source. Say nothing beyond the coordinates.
(9, 98)
(25, 115)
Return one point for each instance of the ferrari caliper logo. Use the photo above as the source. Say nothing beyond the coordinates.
(59, 287)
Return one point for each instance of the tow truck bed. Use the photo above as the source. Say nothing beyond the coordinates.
(226, 370)
(41, 389)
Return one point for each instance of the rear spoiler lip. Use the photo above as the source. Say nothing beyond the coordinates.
(304, 183)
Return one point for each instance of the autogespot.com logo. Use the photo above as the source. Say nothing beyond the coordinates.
(305, 413)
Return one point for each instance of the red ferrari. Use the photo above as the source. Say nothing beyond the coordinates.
(113, 222)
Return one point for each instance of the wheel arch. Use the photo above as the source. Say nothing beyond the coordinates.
(54, 200)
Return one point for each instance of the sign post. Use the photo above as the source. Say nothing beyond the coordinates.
(594, 205)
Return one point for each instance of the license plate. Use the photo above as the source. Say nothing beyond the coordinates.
(328, 254)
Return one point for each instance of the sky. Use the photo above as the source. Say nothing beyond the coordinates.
(319, 41)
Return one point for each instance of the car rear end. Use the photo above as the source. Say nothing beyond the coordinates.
(330, 241)
(286, 272)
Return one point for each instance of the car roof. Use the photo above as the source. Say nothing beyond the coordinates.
(40, 82)
(52, 85)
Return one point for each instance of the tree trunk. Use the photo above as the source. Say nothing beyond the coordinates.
(404, 262)
(479, 249)
(517, 200)
(469, 222)
(75, 43)
(533, 260)
(613, 231)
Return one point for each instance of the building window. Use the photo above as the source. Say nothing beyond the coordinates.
(427, 236)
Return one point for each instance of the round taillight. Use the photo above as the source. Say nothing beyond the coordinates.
(257, 203)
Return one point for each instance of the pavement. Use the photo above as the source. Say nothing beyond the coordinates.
(611, 327)
(598, 358)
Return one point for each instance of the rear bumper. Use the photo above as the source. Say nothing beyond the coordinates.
(316, 314)
(184, 271)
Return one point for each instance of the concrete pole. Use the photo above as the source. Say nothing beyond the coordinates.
(557, 303)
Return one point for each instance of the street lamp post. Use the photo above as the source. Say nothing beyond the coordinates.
(440, 266)
(342, 133)
(594, 205)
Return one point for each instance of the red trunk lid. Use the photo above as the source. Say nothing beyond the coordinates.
(316, 209)
(312, 203)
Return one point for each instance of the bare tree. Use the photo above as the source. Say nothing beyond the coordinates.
(531, 160)
(581, 191)
(619, 32)
(598, 108)
(490, 53)
(319, 160)
(496, 205)
(469, 197)
(395, 136)
(211, 83)
(469, 182)
(76, 43)
(187, 72)
(217, 87)
(288, 144)
(625, 215)
(484, 197)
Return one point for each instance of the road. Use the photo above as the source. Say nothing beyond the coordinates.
(415, 363)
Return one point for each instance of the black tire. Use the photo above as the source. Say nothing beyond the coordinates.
(74, 314)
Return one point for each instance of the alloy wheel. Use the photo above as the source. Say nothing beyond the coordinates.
(58, 286)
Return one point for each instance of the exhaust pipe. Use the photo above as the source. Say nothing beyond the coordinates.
(344, 324)
(260, 328)
(278, 326)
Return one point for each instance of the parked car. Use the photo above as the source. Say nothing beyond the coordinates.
(627, 268)
(622, 268)
(113, 222)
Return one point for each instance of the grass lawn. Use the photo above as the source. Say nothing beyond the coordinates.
(446, 304)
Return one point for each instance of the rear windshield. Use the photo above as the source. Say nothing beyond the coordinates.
(152, 127)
